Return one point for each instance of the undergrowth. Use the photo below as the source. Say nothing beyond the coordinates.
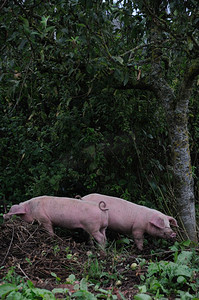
(177, 278)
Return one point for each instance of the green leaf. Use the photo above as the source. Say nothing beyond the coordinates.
(50, 28)
(119, 59)
(14, 295)
(126, 78)
(35, 33)
(7, 288)
(142, 288)
(22, 44)
(81, 25)
(121, 295)
(186, 243)
(124, 241)
(83, 284)
(30, 284)
(183, 271)
(184, 257)
(60, 291)
(142, 297)
(190, 43)
(44, 21)
(186, 296)
(84, 295)
(181, 279)
(71, 277)
(25, 21)
(53, 274)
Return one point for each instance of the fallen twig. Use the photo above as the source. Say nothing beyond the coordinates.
(9, 246)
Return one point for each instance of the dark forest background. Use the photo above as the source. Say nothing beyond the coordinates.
(69, 124)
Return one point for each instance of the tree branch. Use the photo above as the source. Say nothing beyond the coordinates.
(189, 78)
(135, 85)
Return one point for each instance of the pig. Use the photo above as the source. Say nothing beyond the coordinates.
(65, 212)
(132, 219)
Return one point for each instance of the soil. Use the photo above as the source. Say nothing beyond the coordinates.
(35, 256)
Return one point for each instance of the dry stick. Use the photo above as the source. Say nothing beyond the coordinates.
(9, 246)
(3, 4)
(31, 235)
(18, 265)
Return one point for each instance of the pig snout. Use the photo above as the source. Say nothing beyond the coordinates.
(173, 235)
(6, 217)
(169, 234)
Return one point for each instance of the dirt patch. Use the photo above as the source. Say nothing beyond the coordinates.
(48, 262)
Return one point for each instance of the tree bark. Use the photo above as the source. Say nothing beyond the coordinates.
(175, 104)
(176, 110)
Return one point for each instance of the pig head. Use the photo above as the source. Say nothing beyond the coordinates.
(132, 219)
(65, 212)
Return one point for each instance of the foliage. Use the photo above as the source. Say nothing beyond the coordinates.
(160, 279)
(65, 126)
(77, 111)
(18, 289)
(77, 115)
(167, 278)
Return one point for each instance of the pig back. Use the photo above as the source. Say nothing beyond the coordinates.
(121, 214)
(67, 212)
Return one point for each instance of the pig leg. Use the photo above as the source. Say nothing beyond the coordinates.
(48, 226)
(103, 232)
(139, 239)
(100, 237)
(139, 243)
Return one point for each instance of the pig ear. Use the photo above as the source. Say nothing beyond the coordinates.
(157, 222)
(17, 210)
(172, 221)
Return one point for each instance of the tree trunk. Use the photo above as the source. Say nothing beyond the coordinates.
(182, 169)
(176, 110)
(176, 113)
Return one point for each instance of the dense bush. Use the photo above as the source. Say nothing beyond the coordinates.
(68, 126)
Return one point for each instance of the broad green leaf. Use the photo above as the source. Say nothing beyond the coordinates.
(142, 288)
(60, 291)
(183, 271)
(83, 284)
(124, 241)
(50, 28)
(181, 279)
(7, 288)
(25, 21)
(44, 20)
(186, 243)
(30, 284)
(14, 295)
(184, 257)
(71, 277)
(142, 297)
(119, 59)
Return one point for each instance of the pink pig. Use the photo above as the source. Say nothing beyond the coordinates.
(129, 218)
(64, 212)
